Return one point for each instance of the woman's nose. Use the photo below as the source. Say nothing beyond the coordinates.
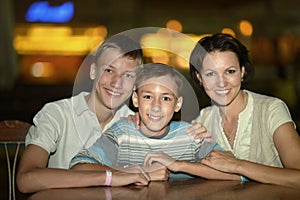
(221, 81)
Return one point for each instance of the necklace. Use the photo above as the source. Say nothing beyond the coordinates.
(232, 133)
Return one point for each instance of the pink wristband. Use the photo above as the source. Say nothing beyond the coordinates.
(108, 178)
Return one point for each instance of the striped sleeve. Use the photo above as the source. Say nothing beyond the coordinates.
(104, 151)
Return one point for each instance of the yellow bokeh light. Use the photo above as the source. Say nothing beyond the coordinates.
(174, 25)
(160, 57)
(246, 27)
(39, 39)
(228, 31)
(182, 63)
(96, 32)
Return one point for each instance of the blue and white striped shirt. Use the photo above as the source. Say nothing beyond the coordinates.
(122, 144)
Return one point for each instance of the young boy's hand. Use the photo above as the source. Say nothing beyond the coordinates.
(157, 172)
(161, 158)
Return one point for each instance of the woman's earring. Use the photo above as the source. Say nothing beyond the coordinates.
(199, 79)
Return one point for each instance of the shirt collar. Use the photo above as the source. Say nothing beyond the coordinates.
(79, 103)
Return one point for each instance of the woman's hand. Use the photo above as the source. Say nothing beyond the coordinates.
(221, 160)
(199, 131)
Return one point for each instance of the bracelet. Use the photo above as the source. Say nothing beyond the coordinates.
(108, 178)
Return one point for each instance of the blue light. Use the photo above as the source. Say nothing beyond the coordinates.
(43, 12)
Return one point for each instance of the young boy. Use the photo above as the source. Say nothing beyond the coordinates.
(158, 96)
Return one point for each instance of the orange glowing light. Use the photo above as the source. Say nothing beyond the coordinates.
(246, 28)
(174, 25)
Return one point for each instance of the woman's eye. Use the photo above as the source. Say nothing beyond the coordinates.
(210, 74)
(231, 71)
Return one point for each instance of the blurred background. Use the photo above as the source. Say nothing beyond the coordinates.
(43, 43)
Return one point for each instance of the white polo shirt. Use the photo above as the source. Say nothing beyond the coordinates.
(65, 127)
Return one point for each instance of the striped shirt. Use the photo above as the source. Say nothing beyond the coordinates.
(122, 144)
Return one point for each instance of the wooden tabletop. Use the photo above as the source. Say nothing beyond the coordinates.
(13, 131)
(176, 189)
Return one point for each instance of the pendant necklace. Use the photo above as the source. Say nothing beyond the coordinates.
(230, 136)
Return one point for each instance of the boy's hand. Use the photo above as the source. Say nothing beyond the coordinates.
(157, 172)
(120, 178)
(199, 131)
(134, 169)
(161, 158)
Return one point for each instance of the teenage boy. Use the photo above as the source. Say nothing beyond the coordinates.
(62, 128)
(158, 96)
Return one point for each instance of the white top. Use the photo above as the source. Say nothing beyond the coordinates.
(65, 127)
(277, 114)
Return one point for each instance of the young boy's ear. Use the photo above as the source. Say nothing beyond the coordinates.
(179, 104)
(135, 100)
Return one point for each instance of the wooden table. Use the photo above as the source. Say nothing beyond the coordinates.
(176, 189)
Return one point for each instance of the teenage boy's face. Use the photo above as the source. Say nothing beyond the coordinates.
(115, 78)
(157, 101)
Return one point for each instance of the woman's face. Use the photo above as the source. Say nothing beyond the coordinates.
(221, 76)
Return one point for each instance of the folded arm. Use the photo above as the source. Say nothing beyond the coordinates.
(287, 142)
(192, 168)
(33, 174)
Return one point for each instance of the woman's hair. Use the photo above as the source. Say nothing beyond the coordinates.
(219, 42)
(153, 70)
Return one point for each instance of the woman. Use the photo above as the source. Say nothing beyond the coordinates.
(255, 130)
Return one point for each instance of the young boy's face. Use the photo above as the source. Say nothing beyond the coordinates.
(157, 100)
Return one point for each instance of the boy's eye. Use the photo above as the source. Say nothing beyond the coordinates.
(167, 99)
(108, 70)
(147, 97)
(131, 76)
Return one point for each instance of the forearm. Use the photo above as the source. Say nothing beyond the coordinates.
(46, 178)
(203, 171)
(268, 174)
